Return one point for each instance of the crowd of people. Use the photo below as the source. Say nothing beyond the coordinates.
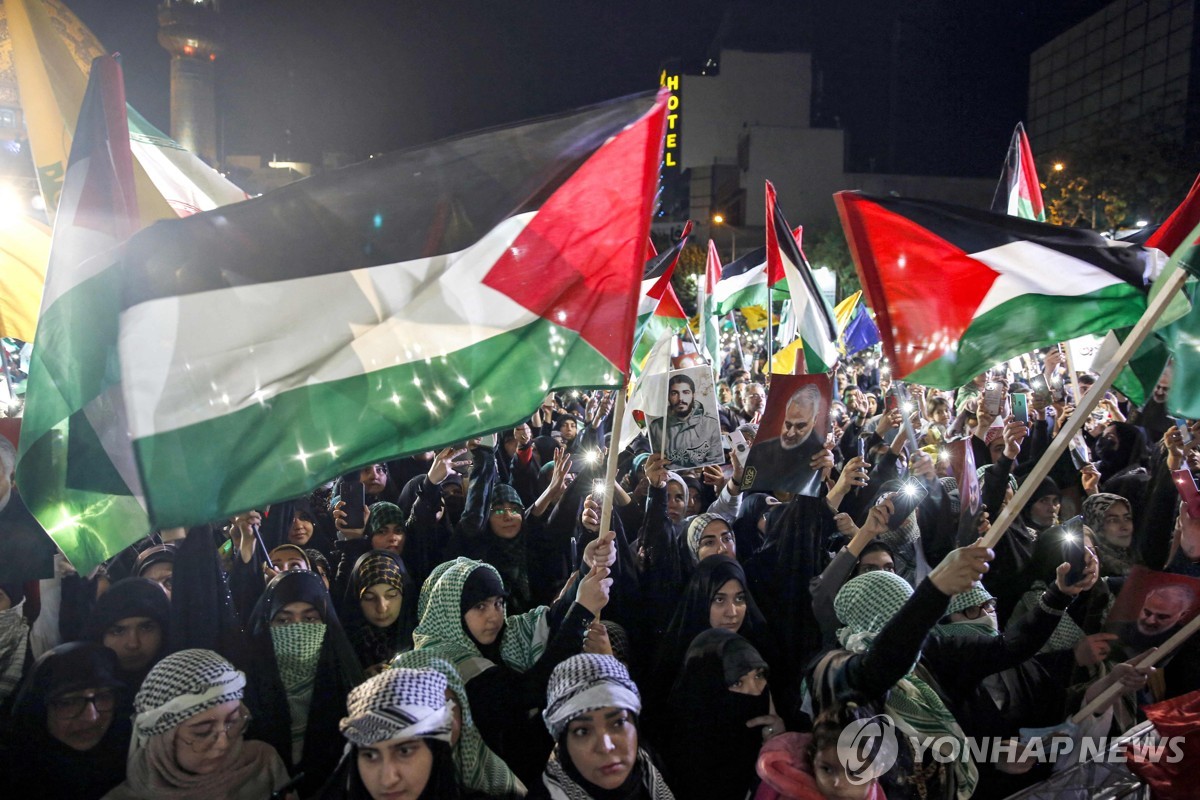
(456, 623)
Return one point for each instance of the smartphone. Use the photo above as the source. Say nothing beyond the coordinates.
(1186, 484)
(891, 402)
(354, 496)
(1080, 457)
(1073, 549)
(1184, 431)
(993, 396)
(739, 445)
(1020, 408)
(1040, 391)
(1058, 392)
(905, 501)
(860, 447)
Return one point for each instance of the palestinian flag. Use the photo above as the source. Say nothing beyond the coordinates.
(1183, 336)
(1019, 194)
(656, 281)
(668, 316)
(710, 334)
(341, 320)
(958, 290)
(75, 466)
(813, 316)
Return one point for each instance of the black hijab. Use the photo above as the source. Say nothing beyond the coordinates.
(337, 672)
(131, 597)
(34, 763)
(708, 721)
(749, 538)
(1129, 452)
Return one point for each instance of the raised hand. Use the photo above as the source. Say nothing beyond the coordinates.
(593, 590)
(962, 568)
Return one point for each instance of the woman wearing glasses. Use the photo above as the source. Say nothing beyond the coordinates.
(65, 739)
(187, 736)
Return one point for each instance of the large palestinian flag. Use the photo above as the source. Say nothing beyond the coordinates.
(958, 290)
(395, 306)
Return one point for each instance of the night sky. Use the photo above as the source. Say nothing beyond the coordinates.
(921, 86)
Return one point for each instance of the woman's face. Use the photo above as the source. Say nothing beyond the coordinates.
(728, 606)
(753, 682)
(716, 539)
(301, 531)
(1045, 511)
(832, 782)
(675, 503)
(603, 746)
(298, 611)
(80, 719)
(395, 769)
(389, 537)
(381, 604)
(1118, 525)
(485, 620)
(203, 742)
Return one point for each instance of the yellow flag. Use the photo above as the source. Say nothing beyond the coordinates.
(24, 250)
(784, 362)
(52, 53)
(756, 317)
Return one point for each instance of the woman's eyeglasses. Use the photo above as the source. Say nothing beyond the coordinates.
(204, 737)
(975, 612)
(509, 512)
(71, 706)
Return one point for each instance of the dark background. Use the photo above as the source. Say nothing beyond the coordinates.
(921, 86)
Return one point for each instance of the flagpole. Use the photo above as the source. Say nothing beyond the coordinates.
(7, 376)
(1071, 373)
(1161, 652)
(610, 470)
(1084, 407)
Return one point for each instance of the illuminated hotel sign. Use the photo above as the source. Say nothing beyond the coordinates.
(672, 151)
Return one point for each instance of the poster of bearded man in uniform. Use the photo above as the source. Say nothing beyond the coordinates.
(693, 435)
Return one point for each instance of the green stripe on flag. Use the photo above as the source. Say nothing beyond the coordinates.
(1027, 323)
(295, 440)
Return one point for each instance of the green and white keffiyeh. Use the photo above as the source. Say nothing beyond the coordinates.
(297, 649)
(479, 768)
(440, 629)
(864, 605)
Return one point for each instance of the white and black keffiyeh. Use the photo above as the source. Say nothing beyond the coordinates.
(584, 683)
(399, 704)
(561, 787)
(181, 686)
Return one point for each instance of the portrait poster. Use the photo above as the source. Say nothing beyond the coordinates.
(693, 432)
(794, 428)
(1151, 607)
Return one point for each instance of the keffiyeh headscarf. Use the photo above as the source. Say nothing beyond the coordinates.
(975, 596)
(440, 630)
(1114, 560)
(377, 567)
(181, 686)
(384, 513)
(864, 605)
(479, 768)
(584, 683)
(696, 530)
(399, 704)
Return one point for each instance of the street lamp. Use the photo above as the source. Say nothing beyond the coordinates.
(718, 219)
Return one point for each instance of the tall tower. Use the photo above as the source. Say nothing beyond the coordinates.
(188, 29)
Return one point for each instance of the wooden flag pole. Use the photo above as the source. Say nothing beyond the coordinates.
(1084, 407)
(1164, 650)
(1071, 373)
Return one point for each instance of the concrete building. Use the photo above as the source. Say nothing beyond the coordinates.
(188, 30)
(1131, 62)
(751, 121)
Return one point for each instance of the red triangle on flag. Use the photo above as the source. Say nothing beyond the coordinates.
(579, 261)
(922, 310)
